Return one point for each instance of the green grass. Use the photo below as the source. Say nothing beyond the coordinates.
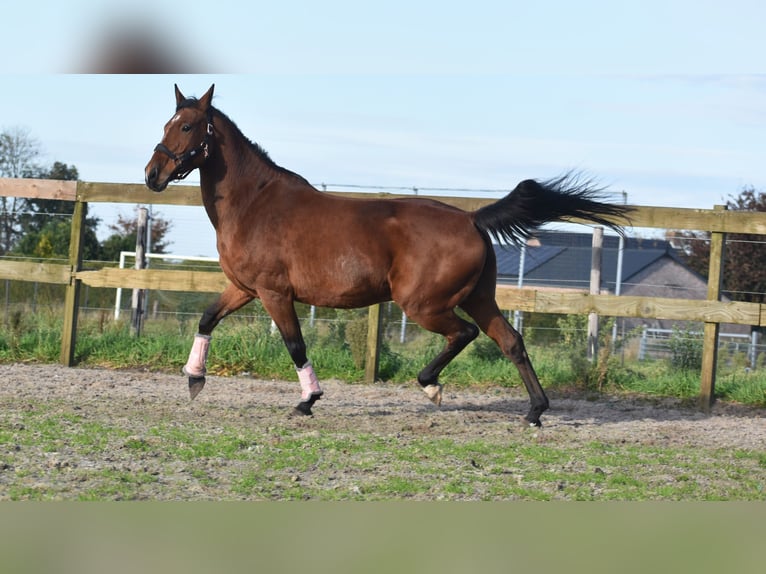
(46, 448)
(249, 346)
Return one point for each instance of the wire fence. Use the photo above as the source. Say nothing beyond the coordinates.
(736, 349)
(653, 267)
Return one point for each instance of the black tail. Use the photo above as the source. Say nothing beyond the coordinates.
(532, 204)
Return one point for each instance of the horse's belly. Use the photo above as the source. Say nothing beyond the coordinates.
(345, 282)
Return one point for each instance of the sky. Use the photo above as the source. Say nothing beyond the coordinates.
(665, 101)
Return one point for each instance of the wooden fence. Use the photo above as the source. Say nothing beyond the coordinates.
(711, 311)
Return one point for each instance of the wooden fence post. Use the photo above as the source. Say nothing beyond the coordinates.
(374, 329)
(711, 330)
(72, 297)
(138, 306)
(595, 289)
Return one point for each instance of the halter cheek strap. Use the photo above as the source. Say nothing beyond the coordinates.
(203, 148)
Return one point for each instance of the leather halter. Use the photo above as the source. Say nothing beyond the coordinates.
(202, 148)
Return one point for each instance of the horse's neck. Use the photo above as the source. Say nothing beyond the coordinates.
(234, 175)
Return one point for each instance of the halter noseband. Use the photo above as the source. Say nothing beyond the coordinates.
(202, 148)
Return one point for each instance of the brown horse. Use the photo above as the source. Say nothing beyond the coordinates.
(281, 240)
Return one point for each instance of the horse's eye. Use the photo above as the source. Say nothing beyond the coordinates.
(185, 127)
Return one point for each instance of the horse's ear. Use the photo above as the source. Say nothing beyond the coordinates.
(205, 100)
(179, 96)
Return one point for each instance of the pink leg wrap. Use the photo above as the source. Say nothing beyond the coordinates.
(309, 382)
(195, 366)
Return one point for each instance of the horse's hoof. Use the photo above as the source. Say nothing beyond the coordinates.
(534, 423)
(303, 409)
(195, 386)
(434, 392)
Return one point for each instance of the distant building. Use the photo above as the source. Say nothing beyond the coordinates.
(561, 261)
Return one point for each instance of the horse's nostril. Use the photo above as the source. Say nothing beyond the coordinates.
(151, 176)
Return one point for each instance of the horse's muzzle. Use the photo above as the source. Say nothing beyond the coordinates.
(153, 182)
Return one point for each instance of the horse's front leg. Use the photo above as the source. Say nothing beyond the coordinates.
(282, 311)
(229, 301)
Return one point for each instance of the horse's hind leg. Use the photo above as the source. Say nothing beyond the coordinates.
(458, 333)
(229, 301)
(487, 315)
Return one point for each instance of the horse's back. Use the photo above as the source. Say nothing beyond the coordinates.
(349, 252)
(437, 251)
(416, 230)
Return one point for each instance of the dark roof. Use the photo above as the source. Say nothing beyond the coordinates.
(563, 260)
(508, 258)
(566, 239)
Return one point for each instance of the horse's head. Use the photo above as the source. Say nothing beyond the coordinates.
(184, 146)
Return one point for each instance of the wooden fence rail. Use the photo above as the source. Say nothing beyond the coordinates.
(711, 311)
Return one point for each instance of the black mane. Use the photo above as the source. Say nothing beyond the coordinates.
(257, 149)
(263, 155)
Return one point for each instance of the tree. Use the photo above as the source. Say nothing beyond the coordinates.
(18, 152)
(745, 255)
(45, 224)
(37, 227)
(123, 237)
(52, 241)
(30, 226)
(41, 210)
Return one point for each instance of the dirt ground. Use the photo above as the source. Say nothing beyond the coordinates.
(137, 400)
